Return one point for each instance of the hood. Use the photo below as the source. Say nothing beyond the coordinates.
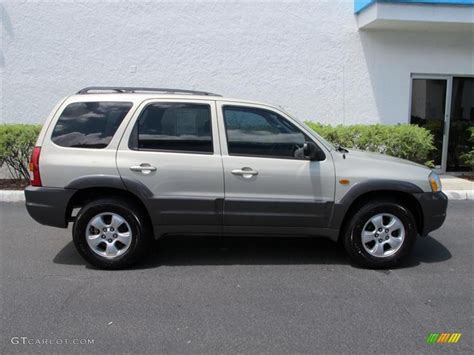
(359, 166)
(382, 158)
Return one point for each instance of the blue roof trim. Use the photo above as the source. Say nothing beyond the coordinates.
(360, 5)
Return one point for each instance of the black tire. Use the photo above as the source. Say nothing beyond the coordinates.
(352, 240)
(133, 215)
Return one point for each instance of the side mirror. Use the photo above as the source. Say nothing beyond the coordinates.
(312, 152)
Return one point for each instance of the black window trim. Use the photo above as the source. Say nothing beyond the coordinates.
(129, 145)
(257, 155)
(60, 111)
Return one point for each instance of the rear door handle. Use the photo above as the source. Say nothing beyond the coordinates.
(144, 168)
(245, 172)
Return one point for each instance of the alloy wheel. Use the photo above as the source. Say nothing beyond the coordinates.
(383, 235)
(109, 235)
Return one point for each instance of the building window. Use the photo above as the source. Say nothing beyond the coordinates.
(431, 98)
(428, 110)
(461, 119)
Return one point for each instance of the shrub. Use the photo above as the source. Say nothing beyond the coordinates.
(468, 157)
(16, 143)
(402, 141)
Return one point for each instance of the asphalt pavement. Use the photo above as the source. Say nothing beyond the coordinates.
(239, 295)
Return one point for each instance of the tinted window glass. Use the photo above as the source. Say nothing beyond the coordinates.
(428, 103)
(174, 127)
(252, 131)
(89, 124)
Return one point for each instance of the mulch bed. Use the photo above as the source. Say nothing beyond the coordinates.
(467, 177)
(10, 184)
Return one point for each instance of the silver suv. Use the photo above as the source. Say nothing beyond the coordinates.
(126, 165)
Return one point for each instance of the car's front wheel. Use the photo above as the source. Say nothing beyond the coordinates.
(110, 233)
(380, 234)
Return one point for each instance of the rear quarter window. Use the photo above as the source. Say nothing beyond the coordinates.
(89, 124)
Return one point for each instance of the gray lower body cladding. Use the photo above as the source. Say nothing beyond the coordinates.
(433, 206)
(233, 217)
(48, 206)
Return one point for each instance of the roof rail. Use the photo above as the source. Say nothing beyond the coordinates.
(138, 89)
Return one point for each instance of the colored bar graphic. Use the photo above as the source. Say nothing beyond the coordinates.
(432, 338)
(455, 337)
(443, 338)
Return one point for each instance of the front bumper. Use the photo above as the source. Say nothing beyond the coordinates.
(47, 205)
(433, 207)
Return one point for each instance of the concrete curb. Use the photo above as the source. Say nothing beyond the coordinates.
(460, 194)
(12, 196)
(18, 195)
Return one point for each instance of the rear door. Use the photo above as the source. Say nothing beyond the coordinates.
(268, 182)
(171, 146)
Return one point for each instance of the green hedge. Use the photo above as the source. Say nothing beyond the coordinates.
(403, 141)
(16, 143)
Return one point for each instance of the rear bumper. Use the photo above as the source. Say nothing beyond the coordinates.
(433, 206)
(48, 206)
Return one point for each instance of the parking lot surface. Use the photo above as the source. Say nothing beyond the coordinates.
(222, 295)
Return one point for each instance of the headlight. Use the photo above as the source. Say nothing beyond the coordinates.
(435, 182)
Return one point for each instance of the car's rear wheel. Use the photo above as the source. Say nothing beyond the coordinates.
(111, 233)
(380, 234)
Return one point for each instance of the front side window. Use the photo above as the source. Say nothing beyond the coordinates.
(258, 132)
(89, 124)
(183, 127)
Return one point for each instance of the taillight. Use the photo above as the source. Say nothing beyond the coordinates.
(34, 167)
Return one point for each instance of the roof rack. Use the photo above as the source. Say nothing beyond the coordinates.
(138, 89)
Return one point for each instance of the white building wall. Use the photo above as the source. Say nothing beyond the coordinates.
(307, 57)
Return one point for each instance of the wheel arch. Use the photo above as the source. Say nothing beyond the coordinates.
(359, 194)
(89, 188)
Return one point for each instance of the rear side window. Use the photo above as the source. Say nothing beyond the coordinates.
(182, 127)
(89, 124)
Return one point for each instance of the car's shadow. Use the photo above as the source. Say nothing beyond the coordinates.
(187, 251)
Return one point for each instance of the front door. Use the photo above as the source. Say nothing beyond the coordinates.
(268, 182)
(172, 147)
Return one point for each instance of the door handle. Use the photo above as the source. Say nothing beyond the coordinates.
(245, 172)
(144, 168)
